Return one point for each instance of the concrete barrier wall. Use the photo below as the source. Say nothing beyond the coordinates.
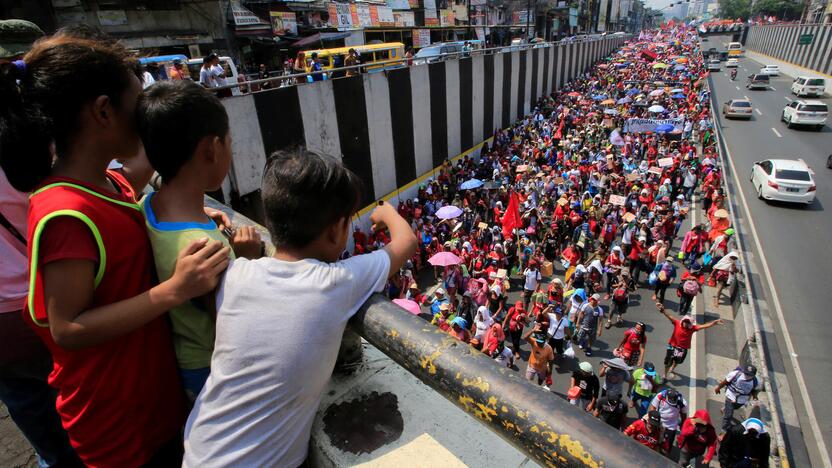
(394, 129)
(781, 42)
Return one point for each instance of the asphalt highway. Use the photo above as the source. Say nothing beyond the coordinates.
(794, 253)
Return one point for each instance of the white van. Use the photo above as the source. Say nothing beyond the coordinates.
(227, 64)
(808, 86)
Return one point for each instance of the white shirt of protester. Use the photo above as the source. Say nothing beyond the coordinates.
(532, 278)
(504, 357)
(279, 327)
(557, 328)
(14, 268)
(210, 77)
(740, 387)
(670, 413)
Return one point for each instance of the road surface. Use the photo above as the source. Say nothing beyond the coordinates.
(795, 246)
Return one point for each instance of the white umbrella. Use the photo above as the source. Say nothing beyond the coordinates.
(656, 108)
(657, 92)
(677, 90)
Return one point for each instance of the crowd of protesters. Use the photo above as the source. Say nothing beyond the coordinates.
(578, 211)
(134, 319)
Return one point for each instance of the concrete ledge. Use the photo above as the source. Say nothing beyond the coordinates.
(433, 432)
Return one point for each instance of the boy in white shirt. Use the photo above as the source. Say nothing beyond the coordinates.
(280, 319)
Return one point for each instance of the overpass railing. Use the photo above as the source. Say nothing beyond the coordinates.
(292, 79)
(538, 423)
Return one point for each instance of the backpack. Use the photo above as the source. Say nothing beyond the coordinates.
(736, 377)
(691, 287)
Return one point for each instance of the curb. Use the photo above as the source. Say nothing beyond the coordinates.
(769, 411)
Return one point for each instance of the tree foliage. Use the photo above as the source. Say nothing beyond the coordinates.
(782, 9)
(733, 9)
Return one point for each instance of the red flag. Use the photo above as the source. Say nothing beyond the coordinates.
(559, 132)
(511, 218)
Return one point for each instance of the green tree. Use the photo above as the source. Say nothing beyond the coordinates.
(733, 9)
(783, 9)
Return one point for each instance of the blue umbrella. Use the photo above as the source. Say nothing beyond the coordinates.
(678, 96)
(679, 68)
(471, 184)
(599, 97)
(664, 128)
(625, 100)
(632, 91)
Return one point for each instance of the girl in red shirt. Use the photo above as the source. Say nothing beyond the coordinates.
(92, 298)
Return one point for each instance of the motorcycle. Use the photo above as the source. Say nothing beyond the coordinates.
(733, 74)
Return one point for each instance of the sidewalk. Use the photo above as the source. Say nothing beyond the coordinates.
(787, 68)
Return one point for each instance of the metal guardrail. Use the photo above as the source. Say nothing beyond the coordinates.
(403, 62)
(545, 427)
(751, 313)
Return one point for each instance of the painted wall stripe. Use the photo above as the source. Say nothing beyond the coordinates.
(422, 118)
(453, 121)
(401, 121)
(520, 85)
(439, 112)
(535, 79)
(380, 131)
(353, 133)
(465, 84)
(320, 128)
(478, 88)
(507, 90)
(279, 116)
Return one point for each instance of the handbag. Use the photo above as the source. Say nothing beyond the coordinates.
(706, 259)
(574, 393)
(570, 351)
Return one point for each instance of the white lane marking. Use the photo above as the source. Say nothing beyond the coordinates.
(738, 88)
(746, 97)
(776, 132)
(758, 111)
(773, 88)
(801, 382)
(787, 98)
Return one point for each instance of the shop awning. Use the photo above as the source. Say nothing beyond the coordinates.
(321, 37)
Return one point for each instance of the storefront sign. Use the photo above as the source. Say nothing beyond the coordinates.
(573, 17)
(429, 4)
(283, 22)
(805, 39)
(398, 4)
(461, 12)
(404, 18)
(421, 37)
(446, 17)
(431, 18)
(363, 16)
(340, 16)
(649, 125)
(242, 15)
(112, 17)
(385, 16)
(414, 4)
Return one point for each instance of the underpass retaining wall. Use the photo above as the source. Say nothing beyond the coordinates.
(781, 41)
(395, 129)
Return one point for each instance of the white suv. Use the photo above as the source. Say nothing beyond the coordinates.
(808, 86)
(805, 113)
(771, 70)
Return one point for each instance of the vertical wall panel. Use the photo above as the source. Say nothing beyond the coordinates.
(422, 118)
(320, 128)
(453, 120)
(401, 122)
(246, 144)
(522, 73)
(823, 48)
(527, 83)
(544, 71)
(380, 131)
(515, 73)
(479, 87)
(506, 91)
(535, 78)
(279, 116)
(351, 111)
(439, 112)
(497, 93)
(465, 88)
(560, 66)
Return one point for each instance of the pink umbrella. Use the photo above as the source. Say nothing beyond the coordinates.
(444, 259)
(408, 305)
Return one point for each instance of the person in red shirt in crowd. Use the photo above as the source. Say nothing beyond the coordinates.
(697, 438)
(647, 430)
(637, 255)
(633, 346)
(679, 343)
(93, 298)
(693, 245)
(516, 319)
